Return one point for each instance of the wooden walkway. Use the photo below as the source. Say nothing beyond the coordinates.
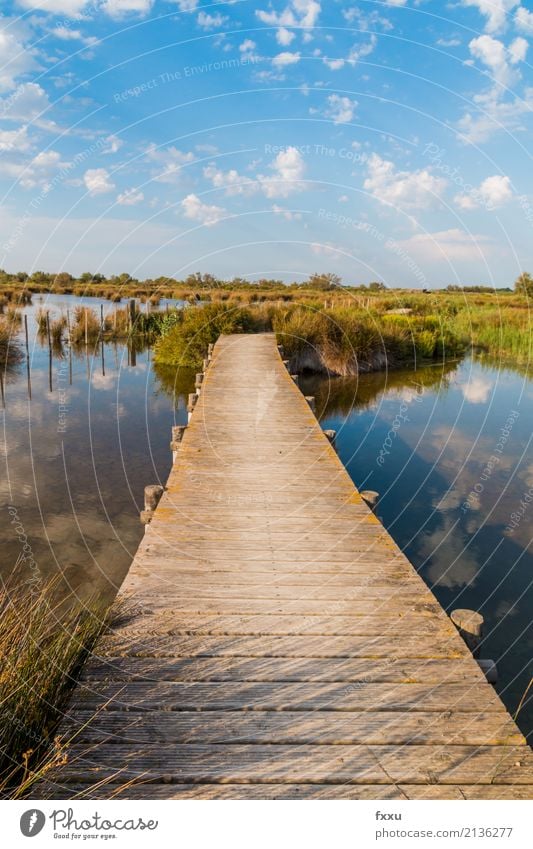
(282, 646)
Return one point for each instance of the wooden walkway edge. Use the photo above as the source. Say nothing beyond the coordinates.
(281, 646)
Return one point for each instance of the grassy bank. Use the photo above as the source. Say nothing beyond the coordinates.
(42, 649)
(346, 336)
(339, 340)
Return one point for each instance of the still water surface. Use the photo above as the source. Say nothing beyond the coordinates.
(447, 448)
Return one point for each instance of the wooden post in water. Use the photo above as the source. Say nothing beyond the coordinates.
(371, 498)
(50, 386)
(193, 398)
(152, 497)
(132, 313)
(177, 436)
(469, 623)
(27, 354)
(331, 436)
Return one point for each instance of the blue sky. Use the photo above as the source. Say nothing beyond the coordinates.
(381, 141)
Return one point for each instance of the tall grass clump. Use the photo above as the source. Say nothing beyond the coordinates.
(506, 332)
(43, 646)
(185, 343)
(10, 352)
(85, 318)
(347, 341)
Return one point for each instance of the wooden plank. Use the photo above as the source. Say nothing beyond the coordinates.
(371, 647)
(428, 627)
(290, 791)
(301, 764)
(280, 696)
(429, 671)
(317, 727)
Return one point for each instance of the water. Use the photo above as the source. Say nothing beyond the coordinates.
(448, 449)
(73, 479)
(76, 458)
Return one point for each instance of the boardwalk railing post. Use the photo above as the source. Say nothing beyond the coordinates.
(295, 378)
(469, 623)
(198, 382)
(193, 398)
(331, 436)
(177, 436)
(311, 401)
(371, 498)
(152, 497)
(205, 364)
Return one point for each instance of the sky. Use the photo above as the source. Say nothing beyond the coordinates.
(381, 141)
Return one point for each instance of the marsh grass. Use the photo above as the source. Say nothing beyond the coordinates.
(10, 351)
(341, 340)
(43, 645)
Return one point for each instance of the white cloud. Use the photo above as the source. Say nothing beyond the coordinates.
(170, 161)
(25, 103)
(97, 181)
(449, 42)
(206, 214)
(300, 13)
(231, 181)
(524, 20)
(366, 20)
(453, 245)
(210, 21)
(72, 8)
(288, 214)
(333, 64)
(493, 53)
(14, 140)
(340, 109)
(113, 144)
(406, 189)
(75, 8)
(36, 172)
(284, 36)
(120, 8)
(17, 57)
(496, 12)
(131, 197)
(247, 46)
(287, 169)
(495, 115)
(284, 59)
(477, 390)
(492, 193)
(187, 5)
(67, 34)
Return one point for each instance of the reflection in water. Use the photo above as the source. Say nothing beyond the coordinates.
(77, 455)
(452, 470)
